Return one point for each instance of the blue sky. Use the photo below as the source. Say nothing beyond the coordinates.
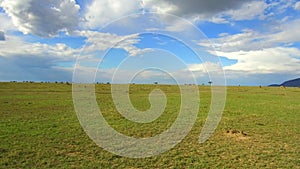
(252, 42)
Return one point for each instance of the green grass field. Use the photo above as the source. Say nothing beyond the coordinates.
(39, 129)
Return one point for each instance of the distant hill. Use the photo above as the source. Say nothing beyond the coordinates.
(274, 85)
(290, 83)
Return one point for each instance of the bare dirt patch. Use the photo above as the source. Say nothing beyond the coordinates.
(237, 134)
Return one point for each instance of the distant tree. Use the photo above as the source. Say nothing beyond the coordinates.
(210, 82)
(156, 83)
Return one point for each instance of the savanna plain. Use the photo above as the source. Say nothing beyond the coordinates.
(260, 128)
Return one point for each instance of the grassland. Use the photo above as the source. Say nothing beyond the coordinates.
(260, 128)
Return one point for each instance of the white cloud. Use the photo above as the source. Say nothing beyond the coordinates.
(248, 11)
(216, 11)
(44, 18)
(297, 6)
(248, 40)
(258, 53)
(6, 23)
(211, 71)
(35, 61)
(204, 67)
(101, 12)
(57, 53)
(269, 60)
(288, 33)
(160, 7)
(102, 41)
(281, 6)
(218, 20)
(178, 25)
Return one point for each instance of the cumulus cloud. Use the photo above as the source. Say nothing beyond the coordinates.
(205, 67)
(6, 23)
(297, 6)
(269, 60)
(43, 18)
(57, 52)
(247, 40)
(101, 12)
(35, 61)
(287, 32)
(213, 10)
(28, 53)
(211, 71)
(247, 11)
(281, 6)
(102, 41)
(259, 53)
(256, 66)
(178, 26)
(192, 7)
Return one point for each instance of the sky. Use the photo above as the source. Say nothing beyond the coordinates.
(252, 42)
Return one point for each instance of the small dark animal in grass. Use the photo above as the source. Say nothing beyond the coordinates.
(235, 131)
